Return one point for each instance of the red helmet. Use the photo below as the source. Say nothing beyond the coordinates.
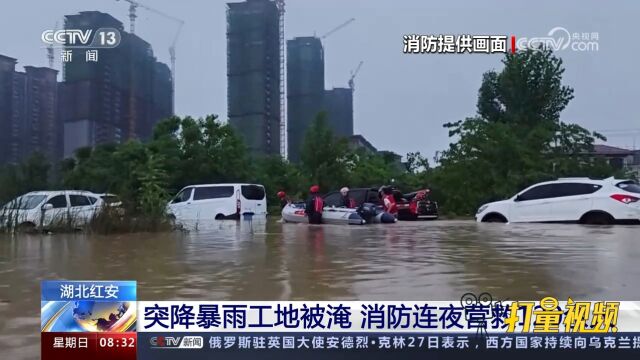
(314, 189)
(281, 194)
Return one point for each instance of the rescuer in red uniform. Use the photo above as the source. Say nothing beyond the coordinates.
(389, 201)
(314, 206)
(283, 199)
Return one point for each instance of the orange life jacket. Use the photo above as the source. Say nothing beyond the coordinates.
(392, 208)
(318, 204)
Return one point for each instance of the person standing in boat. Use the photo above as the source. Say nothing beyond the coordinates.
(345, 200)
(389, 201)
(314, 205)
(283, 199)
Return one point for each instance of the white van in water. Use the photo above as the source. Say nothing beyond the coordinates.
(218, 201)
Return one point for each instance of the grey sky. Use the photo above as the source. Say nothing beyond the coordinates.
(401, 100)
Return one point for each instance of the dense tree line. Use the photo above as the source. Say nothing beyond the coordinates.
(515, 139)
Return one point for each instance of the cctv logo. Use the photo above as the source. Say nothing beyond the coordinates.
(164, 341)
(67, 37)
(70, 38)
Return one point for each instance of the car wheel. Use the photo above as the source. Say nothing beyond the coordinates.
(597, 218)
(494, 218)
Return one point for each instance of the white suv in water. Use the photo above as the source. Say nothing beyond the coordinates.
(44, 209)
(578, 200)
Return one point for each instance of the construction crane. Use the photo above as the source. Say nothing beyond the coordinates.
(353, 76)
(337, 28)
(283, 111)
(133, 5)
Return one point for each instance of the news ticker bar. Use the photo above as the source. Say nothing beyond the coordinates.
(189, 346)
(103, 319)
(545, 316)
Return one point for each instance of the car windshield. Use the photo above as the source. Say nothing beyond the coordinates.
(629, 186)
(25, 202)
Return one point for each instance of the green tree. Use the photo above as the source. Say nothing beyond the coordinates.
(324, 156)
(277, 174)
(416, 163)
(517, 137)
(31, 175)
(366, 169)
(153, 195)
(186, 150)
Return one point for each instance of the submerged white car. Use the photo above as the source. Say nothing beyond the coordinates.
(44, 209)
(572, 200)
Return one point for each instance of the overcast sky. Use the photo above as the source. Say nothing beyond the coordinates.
(401, 100)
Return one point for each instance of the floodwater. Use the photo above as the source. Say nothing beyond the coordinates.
(267, 260)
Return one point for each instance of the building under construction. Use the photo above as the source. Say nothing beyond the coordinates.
(338, 104)
(305, 89)
(254, 62)
(119, 97)
(29, 119)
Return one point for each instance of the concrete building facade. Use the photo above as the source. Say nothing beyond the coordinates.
(253, 74)
(7, 71)
(119, 97)
(305, 90)
(29, 120)
(339, 107)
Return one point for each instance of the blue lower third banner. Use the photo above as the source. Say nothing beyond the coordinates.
(261, 345)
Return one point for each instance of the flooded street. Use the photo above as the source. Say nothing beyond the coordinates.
(267, 260)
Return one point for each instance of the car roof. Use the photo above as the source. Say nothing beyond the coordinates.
(352, 189)
(52, 192)
(223, 184)
(583, 180)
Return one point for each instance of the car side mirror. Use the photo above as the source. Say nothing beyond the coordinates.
(518, 198)
(47, 206)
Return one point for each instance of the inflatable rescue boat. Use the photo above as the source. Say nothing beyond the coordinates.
(365, 214)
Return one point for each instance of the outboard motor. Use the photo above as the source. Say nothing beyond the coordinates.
(367, 211)
(355, 218)
(387, 218)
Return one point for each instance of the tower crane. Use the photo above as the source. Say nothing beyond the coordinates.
(353, 75)
(133, 5)
(283, 109)
(337, 28)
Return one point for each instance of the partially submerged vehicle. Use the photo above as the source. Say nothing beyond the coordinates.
(112, 202)
(218, 201)
(420, 205)
(39, 210)
(412, 206)
(364, 214)
(294, 213)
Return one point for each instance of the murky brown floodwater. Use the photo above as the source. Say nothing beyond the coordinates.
(437, 260)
